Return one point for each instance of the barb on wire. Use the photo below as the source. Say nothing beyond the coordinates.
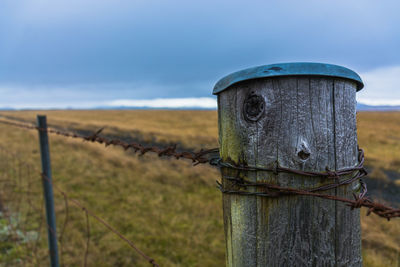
(170, 151)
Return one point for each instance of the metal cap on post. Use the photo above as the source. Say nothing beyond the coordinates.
(288, 69)
(300, 116)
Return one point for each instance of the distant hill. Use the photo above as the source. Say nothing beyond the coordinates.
(360, 107)
(363, 107)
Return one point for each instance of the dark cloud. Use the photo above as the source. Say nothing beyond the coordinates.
(180, 48)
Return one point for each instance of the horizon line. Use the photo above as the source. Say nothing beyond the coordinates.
(199, 103)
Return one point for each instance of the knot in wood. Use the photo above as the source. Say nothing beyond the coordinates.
(303, 152)
(253, 107)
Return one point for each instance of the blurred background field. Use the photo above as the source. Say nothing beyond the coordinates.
(171, 210)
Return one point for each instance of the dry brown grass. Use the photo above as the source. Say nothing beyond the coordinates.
(379, 136)
(171, 210)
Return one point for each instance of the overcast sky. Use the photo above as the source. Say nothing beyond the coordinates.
(85, 53)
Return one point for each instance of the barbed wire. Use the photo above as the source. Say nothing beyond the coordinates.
(277, 168)
(358, 202)
(198, 157)
(273, 190)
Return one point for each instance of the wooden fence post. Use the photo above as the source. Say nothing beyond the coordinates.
(301, 116)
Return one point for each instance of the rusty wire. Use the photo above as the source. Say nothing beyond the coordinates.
(200, 157)
(170, 151)
(373, 207)
(277, 168)
(273, 190)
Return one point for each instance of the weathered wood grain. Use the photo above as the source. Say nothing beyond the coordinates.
(308, 124)
(348, 241)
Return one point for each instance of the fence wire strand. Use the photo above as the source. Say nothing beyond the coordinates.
(199, 157)
(88, 237)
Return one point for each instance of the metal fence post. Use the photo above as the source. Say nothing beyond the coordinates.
(48, 190)
(300, 116)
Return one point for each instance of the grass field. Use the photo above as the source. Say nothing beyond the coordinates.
(170, 209)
